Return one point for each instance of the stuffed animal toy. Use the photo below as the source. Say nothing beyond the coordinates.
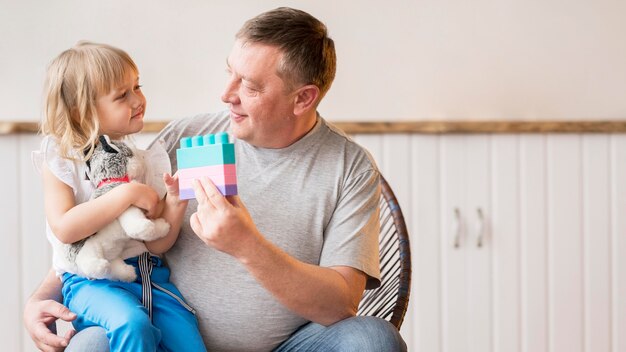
(113, 163)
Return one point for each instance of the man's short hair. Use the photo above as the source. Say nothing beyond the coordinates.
(308, 53)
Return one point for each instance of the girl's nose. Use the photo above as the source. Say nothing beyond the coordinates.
(137, 100)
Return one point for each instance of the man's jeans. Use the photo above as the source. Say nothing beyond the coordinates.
(362, 334)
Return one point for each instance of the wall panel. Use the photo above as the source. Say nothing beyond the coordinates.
(10, 202)
(565, 267)
(505, 242)
(618, 243)
(596, 242)
(533, 244)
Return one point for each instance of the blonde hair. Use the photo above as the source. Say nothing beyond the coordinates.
(74, 80)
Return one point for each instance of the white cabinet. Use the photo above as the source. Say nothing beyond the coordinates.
(550, 274)
(465, 265)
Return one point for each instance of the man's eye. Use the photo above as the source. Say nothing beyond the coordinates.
(249, 88)
(137, 87)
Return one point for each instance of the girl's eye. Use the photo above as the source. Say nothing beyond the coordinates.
(137, 87)
(122, 96)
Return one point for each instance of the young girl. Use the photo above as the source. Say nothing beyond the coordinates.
(92, 90)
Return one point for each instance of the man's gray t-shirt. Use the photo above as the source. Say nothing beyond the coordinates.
(316, 199)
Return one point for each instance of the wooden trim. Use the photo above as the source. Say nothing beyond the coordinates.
(446, 127)
(8, 127)
(419, 127)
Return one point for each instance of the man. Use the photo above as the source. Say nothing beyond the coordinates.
(283, 265)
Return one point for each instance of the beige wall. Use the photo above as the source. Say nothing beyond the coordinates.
(398, 60)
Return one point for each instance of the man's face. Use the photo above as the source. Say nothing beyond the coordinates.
(261, 108)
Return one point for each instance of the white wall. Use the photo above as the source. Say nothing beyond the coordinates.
(398, 60)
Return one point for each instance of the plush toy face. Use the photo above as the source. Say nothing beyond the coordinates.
(109, 161)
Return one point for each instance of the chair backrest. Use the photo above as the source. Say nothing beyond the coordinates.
(391, 299)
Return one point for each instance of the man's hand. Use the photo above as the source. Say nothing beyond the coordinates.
(38, 315)
(223, 222)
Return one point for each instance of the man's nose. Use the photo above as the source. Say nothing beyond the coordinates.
(229, 95)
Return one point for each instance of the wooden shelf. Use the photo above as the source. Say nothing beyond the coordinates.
(419, 127)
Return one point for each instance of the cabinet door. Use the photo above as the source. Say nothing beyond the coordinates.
(465, 264)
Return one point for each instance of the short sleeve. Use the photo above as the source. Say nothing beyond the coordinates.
(157, 162)
(64, 169)
(351, 237)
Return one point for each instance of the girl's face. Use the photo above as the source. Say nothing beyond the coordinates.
(121, 111)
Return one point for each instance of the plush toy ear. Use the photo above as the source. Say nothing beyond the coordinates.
(107, 145)
(88, 162)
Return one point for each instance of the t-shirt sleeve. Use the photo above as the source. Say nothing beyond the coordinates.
(62, 168)
(169, 138)
(351, 237)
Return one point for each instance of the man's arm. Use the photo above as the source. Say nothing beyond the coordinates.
(322, 295)
(43, 309)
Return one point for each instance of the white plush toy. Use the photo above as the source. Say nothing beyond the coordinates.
(113, 163)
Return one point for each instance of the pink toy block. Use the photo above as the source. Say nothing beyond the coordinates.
(216, 179)
(196, 172)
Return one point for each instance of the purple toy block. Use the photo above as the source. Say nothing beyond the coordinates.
(225, 190)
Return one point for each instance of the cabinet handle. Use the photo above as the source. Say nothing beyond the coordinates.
(456, 227)
(480, 227)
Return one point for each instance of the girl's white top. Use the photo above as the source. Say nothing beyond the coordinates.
(74, 174)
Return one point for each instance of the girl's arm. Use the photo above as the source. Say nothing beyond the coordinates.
(173, 213)
(71, 222)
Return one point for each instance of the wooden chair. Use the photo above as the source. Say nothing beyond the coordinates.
(390, 300)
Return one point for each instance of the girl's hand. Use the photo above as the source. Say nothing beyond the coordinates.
(173, 190)
(144, 197)
(171, 184)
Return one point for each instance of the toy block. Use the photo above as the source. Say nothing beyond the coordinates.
(206, 150)
(216, 179)
(196, 172)
(227, 190)
(210, 155)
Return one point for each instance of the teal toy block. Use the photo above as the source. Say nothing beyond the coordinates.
(198, 151)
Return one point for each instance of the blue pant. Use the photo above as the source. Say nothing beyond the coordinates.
(362, 334)
(116, 307)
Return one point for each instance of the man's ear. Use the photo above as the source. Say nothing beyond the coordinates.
(306, 99)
